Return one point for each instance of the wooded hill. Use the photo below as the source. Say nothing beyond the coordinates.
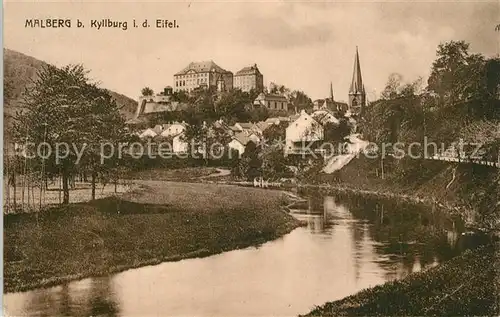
(20, 70)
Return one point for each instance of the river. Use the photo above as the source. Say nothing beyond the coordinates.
(348, 245)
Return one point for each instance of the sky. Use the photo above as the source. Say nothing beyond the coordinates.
(302, 45)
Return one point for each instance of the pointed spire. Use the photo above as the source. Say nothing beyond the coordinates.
(331, 91)
(357, 82)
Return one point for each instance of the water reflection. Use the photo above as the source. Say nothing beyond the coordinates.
(89, 297)
(348, 245)
(405, 238)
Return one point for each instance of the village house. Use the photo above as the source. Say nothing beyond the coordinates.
(301, 132)
(151, 132)
(239, 142)
(172, 129)
(271, 102)
(324, 117)
(243, 126)
(179, 145)
(261, 126)
(274, 120)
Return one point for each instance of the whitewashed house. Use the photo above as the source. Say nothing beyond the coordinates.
(148, 133)
(301, 132)
(239, 142)
(254, 137)
(172, 129)
(179, 145)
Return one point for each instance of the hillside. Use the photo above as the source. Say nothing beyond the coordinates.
(20, 70)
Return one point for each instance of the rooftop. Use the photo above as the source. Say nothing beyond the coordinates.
(242, 138)
(202, 67)
(249, 70)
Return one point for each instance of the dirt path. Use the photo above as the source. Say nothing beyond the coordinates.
(220, 172)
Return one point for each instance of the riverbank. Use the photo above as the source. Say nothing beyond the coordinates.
(468, 190)
(185, 174)
(464, 286)
(161, 221)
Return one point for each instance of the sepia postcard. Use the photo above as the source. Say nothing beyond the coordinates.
(251, 158)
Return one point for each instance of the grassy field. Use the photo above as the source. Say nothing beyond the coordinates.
(162, 221)
(466, 285)
(180, 174)
(52, 196)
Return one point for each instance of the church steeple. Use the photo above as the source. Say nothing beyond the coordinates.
(331, 92)
(357, 95)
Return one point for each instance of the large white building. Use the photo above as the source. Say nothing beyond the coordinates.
(249, 78)
(203, 74)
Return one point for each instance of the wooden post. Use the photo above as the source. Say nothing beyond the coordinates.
(7, 193)
(14, 189)
(65, 186)
(93, 184)
(59, 179)
(382, 167)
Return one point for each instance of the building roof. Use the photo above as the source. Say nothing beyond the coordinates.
(334, 106)
(242, 138)
(147, 132)
(249, 70)
(263, 125)
(134, 121)
(357, 86)
(202, 67)
(272, 120)
(324, 117)
(245, 125)
(272, 97)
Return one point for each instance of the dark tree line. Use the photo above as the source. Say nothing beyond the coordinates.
(72, 117)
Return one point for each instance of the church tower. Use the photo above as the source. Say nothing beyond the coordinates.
(357, 94)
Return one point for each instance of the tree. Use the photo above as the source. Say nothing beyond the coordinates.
(466, 84)
(147, 92)
(392, 87)
(274, 163)
(63, 109)
(300, 101)
(232, 105)
(279, 89)
(337, 132)
(180, 96)
(275, 133)
(207, 140)
(100, 123)
(250, 163)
